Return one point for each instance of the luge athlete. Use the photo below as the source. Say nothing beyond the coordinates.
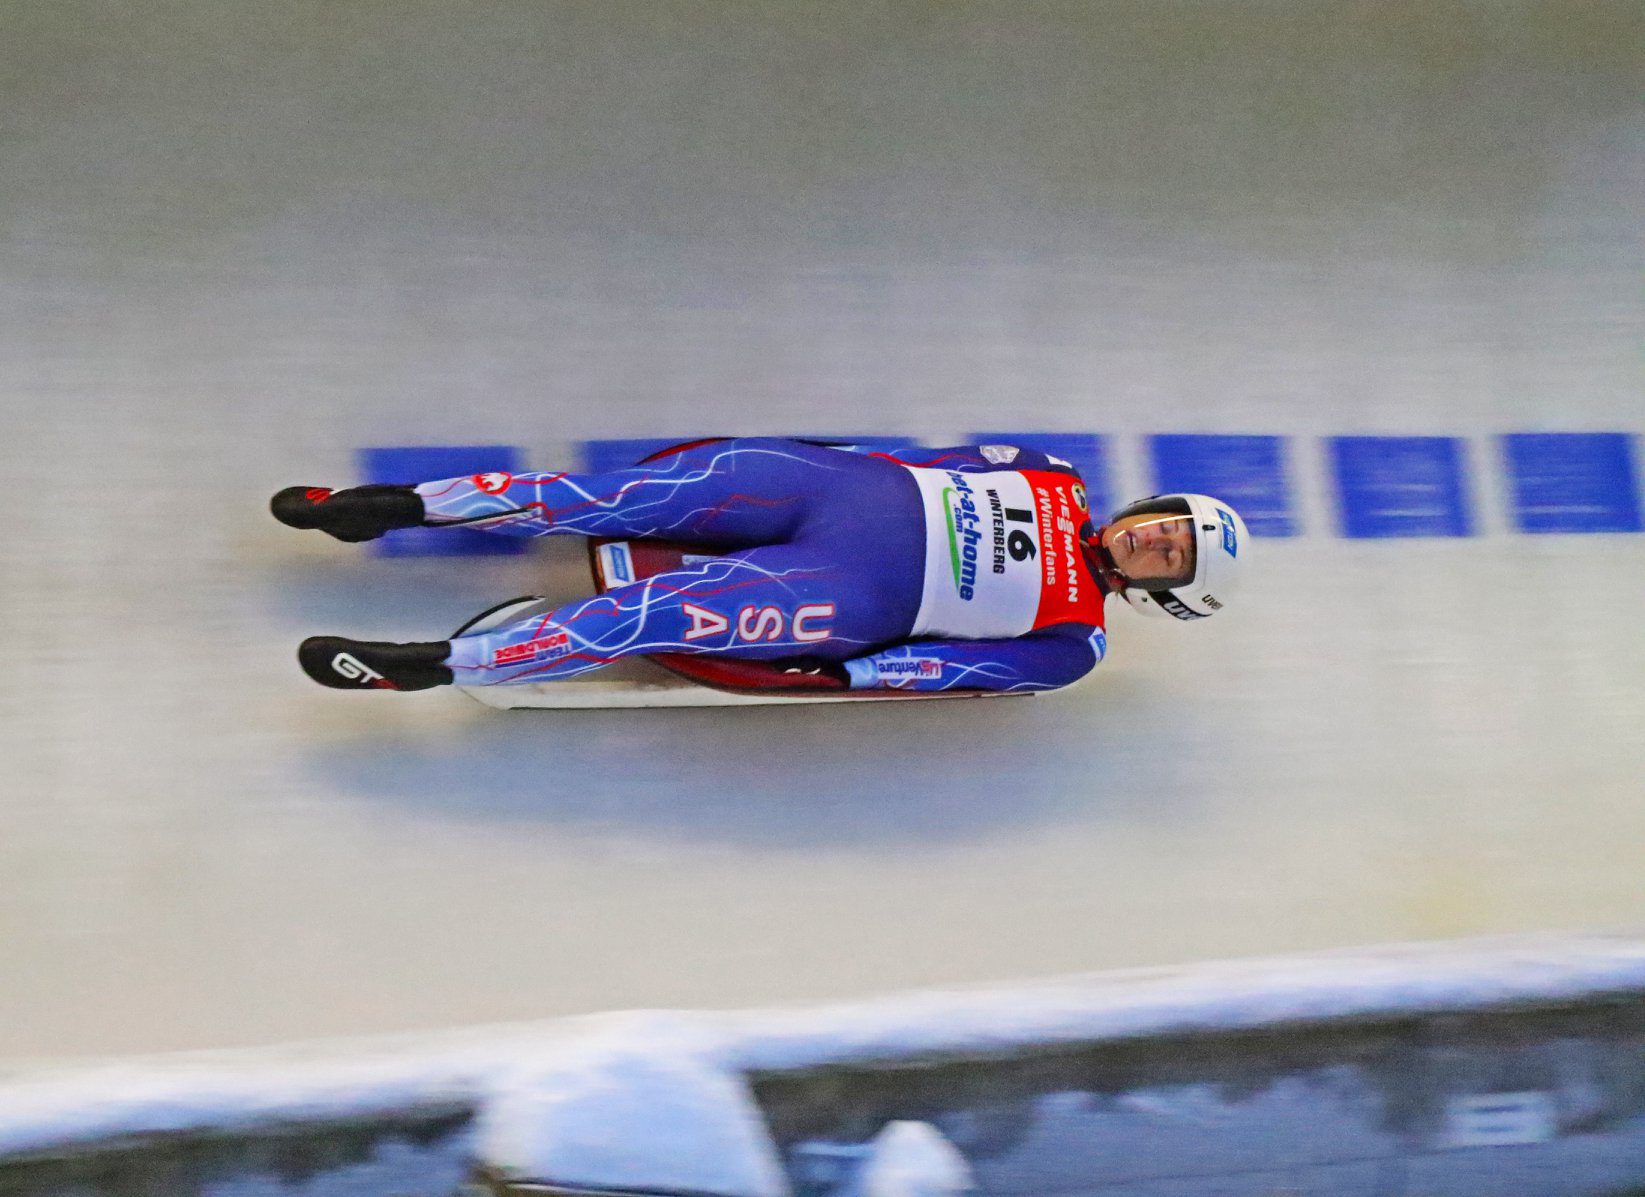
(976, 567)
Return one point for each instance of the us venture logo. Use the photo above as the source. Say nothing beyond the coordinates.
(964, 533)
(920, 667)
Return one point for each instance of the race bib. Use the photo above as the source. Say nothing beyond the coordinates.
(1002, 554)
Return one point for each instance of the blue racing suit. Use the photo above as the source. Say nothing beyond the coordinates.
(935, 569)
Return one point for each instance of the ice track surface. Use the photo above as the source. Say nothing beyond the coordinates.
(239, 242)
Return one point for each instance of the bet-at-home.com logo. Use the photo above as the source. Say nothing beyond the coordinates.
(964, 533)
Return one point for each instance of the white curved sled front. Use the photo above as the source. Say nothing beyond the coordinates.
(592, 695)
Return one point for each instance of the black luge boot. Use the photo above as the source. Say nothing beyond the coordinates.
(345, 664)
(356, 514)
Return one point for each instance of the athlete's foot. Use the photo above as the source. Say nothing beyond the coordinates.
(345, 664)
(358, 513)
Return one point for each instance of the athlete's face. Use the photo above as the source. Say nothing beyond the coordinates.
(1152, 549)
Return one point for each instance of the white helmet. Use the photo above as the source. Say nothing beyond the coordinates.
(1220, 550)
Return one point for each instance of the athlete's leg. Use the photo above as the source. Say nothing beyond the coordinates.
(725, 494)
(766, 603)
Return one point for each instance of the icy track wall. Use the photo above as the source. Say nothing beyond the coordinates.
(241, 242)
(1491, 1068)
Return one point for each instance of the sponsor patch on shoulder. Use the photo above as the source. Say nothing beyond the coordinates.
(1000, 454)
(1099, 644)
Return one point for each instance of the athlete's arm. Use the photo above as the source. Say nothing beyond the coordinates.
(1042, 660)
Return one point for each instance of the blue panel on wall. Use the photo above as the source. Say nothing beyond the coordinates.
(426, 463)
(1573, 481)
(1400, 486)
(1247, 472)
(1085, 451)
(869, 444)
(600, 456)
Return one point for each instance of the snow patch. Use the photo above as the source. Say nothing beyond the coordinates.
(621, 1117)
(912, 1159)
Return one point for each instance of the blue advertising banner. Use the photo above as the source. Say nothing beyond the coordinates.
(1400, 486)
(601, 456)
(1572, 481)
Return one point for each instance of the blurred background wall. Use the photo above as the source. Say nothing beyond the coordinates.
(240, 242)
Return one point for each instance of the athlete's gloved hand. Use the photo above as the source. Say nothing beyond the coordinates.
(813, 672)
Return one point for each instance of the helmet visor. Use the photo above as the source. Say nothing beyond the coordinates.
(1153, 549)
